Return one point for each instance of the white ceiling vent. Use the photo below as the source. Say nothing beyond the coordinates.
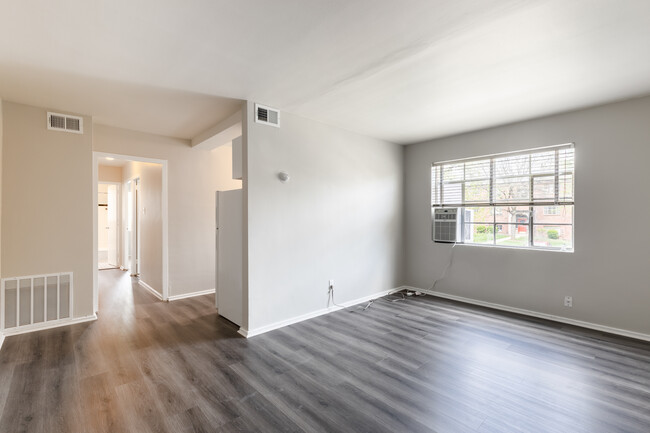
(65, 122)
(267, 115)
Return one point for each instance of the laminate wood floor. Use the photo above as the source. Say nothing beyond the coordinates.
(420, 365)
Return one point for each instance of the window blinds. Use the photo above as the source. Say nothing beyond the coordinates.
(542, 176)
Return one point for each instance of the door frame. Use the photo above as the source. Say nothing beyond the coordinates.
(97, 156)
(135, 235)
(118, 216)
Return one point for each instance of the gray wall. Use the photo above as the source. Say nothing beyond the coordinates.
(339, 217)
(607, 275)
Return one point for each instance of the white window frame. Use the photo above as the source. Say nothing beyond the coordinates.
(532, 203)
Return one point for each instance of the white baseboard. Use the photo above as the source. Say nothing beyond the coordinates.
(262, 329)
(46, 325)
(190, 295)
(560, 319)
(2, 339)
(151, 289)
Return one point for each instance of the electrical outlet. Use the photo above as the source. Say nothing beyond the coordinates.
(568, 301)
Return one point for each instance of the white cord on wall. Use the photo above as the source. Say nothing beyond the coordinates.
(444, 272)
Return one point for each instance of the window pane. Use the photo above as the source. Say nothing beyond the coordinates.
(512, 235)
(435, 185)
(477, 170)
(512, 214)
(512, 189)
(452, 192)
(453, 172)
(565, 187)
(553, 214)
(553, 236)
(512, 166)
(544, 188)
(477, 191)
(542, 163)
(479, 214)
(479, 233)
(566, 160)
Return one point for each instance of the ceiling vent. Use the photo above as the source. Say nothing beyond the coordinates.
(267, 115)
(64, 122)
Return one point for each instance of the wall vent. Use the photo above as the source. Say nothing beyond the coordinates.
(267, 115)
(64, 122)
(35, 301)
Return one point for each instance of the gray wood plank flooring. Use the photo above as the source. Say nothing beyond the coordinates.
(420, 365)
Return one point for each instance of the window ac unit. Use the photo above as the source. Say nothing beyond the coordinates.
(445, 225)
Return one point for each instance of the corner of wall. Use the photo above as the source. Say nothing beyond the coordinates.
(247, 112)
(1, 142)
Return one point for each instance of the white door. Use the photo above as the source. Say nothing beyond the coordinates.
(229, 255)
(111, 225)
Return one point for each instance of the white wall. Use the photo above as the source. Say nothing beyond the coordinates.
(339, 217)
(47, 218)
(150, 214)
(194, 176)
(607, 275)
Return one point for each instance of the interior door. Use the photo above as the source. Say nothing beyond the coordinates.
(111, 225)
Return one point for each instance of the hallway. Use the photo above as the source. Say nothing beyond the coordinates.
(119, 373)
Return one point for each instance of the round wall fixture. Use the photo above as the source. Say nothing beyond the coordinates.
(284, 176)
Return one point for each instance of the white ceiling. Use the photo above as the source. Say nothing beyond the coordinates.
(404, 70)
(113, 162)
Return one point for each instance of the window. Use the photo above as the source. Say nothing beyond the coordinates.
(520, 199)
(551, 210)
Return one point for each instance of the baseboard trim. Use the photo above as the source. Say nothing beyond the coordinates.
(560, 319)
(2, 339)
(281, 324)
(151, 289)
(46, 325)
(191, 295)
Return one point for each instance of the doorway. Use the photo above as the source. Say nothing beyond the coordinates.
(140, 200)
(108, 225)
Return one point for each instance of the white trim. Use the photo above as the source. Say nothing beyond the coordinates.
(165, 220)
(281, 324)
(560, 319)
(48, 325)
(2, 339)
(155, 292)
(190, 295)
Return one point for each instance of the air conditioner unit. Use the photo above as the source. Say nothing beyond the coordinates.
(446, 227)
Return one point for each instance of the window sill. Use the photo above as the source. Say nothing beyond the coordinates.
(506, 247)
